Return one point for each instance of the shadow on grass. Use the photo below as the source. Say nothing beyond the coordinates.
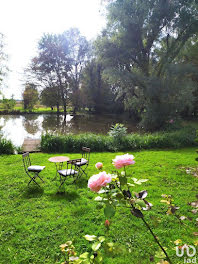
(81, 183)
(65, 195)
(33, 192)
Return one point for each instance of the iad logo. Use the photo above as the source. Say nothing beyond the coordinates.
(190, 251)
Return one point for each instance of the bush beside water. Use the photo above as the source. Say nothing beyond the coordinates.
(6, 146)
(73, 143)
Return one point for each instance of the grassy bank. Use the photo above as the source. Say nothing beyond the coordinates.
(38, 109)
(73, 143)
(33, 111)
(35, 221)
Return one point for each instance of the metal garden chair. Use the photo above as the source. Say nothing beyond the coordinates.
(70, 171)
(29, 168)
(84, 161)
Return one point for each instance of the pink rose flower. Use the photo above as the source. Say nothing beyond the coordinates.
(99, 165)
(123, 160)
(96, 182)
(171, 121)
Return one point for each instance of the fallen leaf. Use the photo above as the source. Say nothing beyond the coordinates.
(177, 242)
(196, 243)
(194, 204)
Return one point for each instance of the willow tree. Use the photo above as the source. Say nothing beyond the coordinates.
(79, 54)
(139, 47)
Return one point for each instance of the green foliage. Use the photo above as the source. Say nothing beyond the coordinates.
(189, 55)
(74, 143)
(6, 146)
(8, 104)
(118, 131)
(58, 65)
(139, 48)
(96, 94)
(93, 257)
(49, 96)
(30, 96)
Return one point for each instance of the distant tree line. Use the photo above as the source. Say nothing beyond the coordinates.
(143, 64)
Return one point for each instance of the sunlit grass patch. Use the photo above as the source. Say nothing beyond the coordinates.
(36, 221)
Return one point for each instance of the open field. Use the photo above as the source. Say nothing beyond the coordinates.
(35, 221)
(38, 109)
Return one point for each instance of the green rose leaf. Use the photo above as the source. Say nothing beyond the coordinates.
(139, 182)
(110, 244)
(101, 239)
(98, 198)
(130, 184)
(84, 255)
(96, 245)
(90, 237)
(141, 203)
(109, 211)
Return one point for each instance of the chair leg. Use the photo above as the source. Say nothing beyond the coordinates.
(33, 179)
(36, 174)
(62, 181)
(40, 178)
(82, 171)
(76, 176)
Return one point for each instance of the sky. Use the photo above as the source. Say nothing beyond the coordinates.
(24, 21)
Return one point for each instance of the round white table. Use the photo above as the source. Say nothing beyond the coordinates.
(58, 161)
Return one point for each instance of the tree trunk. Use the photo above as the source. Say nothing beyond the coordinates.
(57, 105)
(98, 95)
(65, 108)
(75, 92)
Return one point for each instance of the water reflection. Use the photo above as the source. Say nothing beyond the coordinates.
(18, 127)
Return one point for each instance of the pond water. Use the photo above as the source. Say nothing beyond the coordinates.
(18, 127)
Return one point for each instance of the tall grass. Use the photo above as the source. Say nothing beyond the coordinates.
(98, 143)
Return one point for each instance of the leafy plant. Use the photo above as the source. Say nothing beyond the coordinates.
(6, 146)
(88, 257)
(116, 190)
(118, 131)
(8, 104)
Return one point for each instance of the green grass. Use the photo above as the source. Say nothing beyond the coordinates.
(38, 109)
(34, 222)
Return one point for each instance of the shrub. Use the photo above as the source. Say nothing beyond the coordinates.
(118, 131)
(6, 146)
(99, 143)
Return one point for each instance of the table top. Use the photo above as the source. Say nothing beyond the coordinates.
(59, 159)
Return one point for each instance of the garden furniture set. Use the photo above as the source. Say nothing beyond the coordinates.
(74, 168)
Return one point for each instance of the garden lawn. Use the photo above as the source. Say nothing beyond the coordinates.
(35, 221)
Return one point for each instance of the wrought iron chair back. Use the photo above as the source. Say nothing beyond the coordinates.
(83, 164)
(86, 153)
(71, 165)
(70, 171)
(26, 161)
